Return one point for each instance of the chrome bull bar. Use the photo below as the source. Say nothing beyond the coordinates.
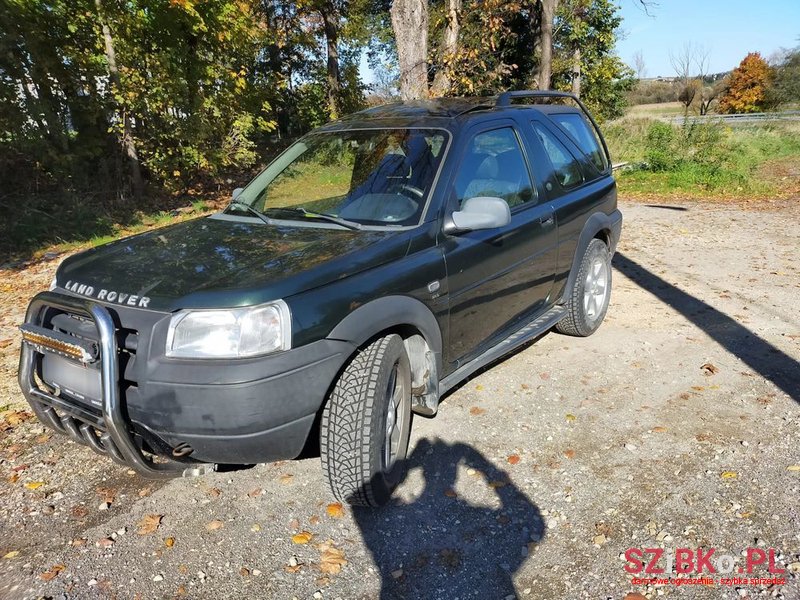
(116, 439)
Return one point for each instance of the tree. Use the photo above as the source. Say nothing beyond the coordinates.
(786, 83)
(683, 63)
(548, 12)
(127, 141)
(747, 86)
(410, 24)
(638, 65)
(584, 60)
(449, 47)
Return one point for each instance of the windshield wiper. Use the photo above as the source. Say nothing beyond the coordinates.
(251, 210)
(321, 216)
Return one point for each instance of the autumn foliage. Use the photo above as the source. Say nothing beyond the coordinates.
(747, 86)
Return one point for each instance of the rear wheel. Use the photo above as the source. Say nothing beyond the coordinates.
(588, 303)
(366, 424)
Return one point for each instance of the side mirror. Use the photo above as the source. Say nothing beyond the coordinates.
(482, 212)
(236, 193)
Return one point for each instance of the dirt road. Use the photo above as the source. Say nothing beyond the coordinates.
(675, 426)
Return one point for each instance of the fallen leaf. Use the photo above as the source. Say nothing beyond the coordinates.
(335, 510)
(149, 524)
(497, 483)
(15, 417)
(314, 519)
(286, 478)
(634, 596)
(571, 417)
(332, 560)
(255, 528)
(659, 429)
(294, 524)
(292, 569)
(78, 542)
(255, 493)
(729, 475)
(169, 542)
(107, 494)
(479, 387)
(215, 492)
(34, 485)
(52, 573)
(214, 525)
(45, 437)
(450, 493)
(302, 538)
(709, 369)
(569, 453)
(513, 459)
(793, 468)
(79, 511)
(12, 554)
(6, 342)
(13, 478)
(698, 388)
(105, 542)
(244, 572)
(476, 410)
(544, 376)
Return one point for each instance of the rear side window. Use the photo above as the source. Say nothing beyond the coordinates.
(566, 168)
(584, 136)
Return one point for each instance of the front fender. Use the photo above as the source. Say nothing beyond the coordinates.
(388, 312)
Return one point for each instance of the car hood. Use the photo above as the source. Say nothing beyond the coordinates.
(220, 262)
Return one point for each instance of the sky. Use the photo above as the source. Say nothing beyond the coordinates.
(729, 29)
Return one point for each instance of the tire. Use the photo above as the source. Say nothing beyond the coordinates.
(588, 303)
(358, 466)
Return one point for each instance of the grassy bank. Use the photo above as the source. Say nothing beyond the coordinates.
(706, 160)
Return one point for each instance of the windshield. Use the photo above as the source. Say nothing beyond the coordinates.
(371, 177)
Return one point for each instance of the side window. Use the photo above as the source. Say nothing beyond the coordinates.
(584, 136)
(494, 165)
(566, 168)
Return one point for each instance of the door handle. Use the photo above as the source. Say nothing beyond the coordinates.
(546, 219)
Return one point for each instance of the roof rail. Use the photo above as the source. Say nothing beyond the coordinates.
(505, 99)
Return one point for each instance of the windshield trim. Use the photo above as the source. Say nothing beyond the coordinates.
(365, 226)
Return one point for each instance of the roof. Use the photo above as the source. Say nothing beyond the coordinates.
(442, 111)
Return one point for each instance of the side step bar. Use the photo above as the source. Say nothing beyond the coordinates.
(521, 336)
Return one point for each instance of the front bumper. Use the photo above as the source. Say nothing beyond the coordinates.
(161, 416)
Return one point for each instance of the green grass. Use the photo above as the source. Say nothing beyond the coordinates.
(708, 160)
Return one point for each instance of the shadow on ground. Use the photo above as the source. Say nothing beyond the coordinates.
(770, 362)
(443, 546)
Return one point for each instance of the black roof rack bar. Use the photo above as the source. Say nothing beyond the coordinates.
(505, 99)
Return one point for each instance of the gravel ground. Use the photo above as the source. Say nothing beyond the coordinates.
(675, 426)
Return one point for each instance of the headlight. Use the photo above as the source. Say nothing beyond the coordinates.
(230, 333)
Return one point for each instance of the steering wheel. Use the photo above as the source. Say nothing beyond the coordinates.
(413, 189)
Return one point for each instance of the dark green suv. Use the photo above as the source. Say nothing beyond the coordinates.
(371, 267)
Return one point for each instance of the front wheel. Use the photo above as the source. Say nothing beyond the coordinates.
(588, 303)
(366, 424)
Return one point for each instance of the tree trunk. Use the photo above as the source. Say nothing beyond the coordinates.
(546, 33)
(441, 82)
(128, 144)
(576, 72)
(410, 24)
(334, 77)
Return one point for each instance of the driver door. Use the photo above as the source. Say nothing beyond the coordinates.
(497, 278)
